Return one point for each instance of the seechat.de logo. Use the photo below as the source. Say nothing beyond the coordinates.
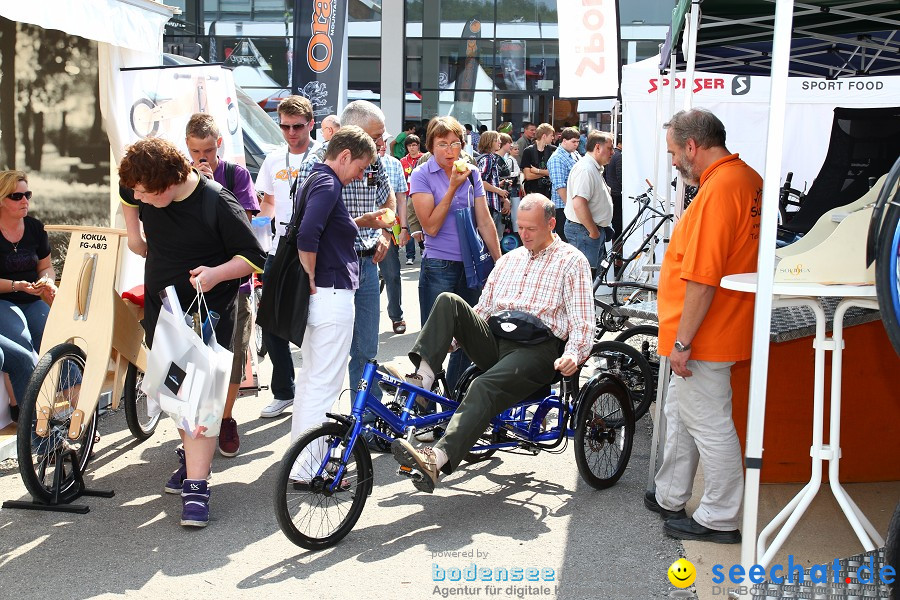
(740, 85)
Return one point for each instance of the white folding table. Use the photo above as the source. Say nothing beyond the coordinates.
(810, 295)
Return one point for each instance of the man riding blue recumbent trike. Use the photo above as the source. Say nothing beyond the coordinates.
(536, 297)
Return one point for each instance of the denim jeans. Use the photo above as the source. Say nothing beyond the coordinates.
(21, 332)
(367, 301)
(279, 350)
(411, 249)
(577, 235)
(437, 276)
(390, 270)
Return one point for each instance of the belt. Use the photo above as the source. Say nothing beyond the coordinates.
(365, 253)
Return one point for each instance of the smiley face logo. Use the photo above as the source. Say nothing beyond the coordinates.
(682, 573)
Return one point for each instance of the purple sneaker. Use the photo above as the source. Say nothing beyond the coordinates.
(175, 482)
(195, 503)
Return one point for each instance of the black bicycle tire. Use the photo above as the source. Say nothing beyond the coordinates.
(27, 419)
(640, 398)
(462, 386)
(623, 292)
(359, 495)
(133, 416)
(586, 417)
(886, 282)
(648, 331)
(892, 550)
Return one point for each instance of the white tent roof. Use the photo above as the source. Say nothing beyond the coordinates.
(138, 23)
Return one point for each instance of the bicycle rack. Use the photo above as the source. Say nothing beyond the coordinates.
(63, 502)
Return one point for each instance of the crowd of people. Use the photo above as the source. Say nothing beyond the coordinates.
(555, 194)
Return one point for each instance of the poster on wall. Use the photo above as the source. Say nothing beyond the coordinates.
(319, 35)
(588, 49)
(512, 57)
(159, 101)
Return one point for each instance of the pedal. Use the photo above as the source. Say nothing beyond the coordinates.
(409, 472)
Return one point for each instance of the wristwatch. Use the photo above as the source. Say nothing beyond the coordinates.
(679, 347)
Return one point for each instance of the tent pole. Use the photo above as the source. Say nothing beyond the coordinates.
(756, 410)
(691, 56)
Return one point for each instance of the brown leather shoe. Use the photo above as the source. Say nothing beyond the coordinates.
(419, 459)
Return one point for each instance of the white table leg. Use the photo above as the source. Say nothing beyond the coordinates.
(795, 509)
(858, 521)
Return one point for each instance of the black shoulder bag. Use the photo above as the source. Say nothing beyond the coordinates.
(284, 306)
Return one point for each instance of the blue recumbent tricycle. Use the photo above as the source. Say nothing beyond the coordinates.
(326, 475)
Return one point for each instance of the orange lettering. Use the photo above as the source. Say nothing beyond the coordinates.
(319, 50)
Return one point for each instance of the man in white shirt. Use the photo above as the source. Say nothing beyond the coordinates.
(590, 207)
(276, 176)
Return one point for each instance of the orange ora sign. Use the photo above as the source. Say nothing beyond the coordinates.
(320, 50)
(588, 48)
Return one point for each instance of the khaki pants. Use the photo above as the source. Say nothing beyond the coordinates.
(511, 371)
(699, 429)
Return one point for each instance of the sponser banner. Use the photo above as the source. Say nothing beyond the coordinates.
(319, 27)
(588, 48)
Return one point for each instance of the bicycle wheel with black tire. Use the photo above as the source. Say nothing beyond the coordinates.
(892, 550)
(625, 293)
(887, 274)
(139, 422)
(143, 121)
(55, 384)
(310, 514)
(604, 432)
(629, 365)
(644, 339)
(488, 437)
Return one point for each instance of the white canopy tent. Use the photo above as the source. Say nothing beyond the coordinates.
(742, 103)
(128, 32)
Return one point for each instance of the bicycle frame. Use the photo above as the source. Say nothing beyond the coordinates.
(619, 243)
(515, 420)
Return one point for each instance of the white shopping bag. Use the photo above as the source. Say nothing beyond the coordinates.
(186, 378)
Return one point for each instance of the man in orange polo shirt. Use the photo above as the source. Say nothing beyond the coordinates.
(704, 329)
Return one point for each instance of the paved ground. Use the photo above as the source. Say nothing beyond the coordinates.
(514, 511)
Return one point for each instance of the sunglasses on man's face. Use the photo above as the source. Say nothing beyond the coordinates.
(294, 126)
(19, 195)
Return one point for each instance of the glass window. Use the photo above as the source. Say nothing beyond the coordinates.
(525, 65)
(474, 107)
(453, 63)
(527, 19)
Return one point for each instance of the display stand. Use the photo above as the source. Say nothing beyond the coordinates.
(809, 294)
(62, 502)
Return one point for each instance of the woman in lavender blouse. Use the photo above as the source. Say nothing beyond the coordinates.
(438, 190)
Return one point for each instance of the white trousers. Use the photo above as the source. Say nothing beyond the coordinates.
(325, 351)
(699, 428)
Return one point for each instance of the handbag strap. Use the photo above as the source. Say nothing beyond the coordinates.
(300, 204)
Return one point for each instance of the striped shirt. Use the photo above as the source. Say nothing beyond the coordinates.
(554, 285)
(394, 170)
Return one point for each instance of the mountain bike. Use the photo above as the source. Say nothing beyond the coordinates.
(326, 475)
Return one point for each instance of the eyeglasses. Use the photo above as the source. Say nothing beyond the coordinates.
(293, 126)
(17, 196)
(445, 145)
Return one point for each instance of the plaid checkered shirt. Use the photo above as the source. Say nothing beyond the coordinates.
(490, 173)
(395, 175)
(560, 165)
(359, 196)
(554, 285)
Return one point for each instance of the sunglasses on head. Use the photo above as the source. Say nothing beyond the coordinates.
(294, 126)
(19, 195)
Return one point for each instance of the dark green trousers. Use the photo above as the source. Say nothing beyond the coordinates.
(511, 371)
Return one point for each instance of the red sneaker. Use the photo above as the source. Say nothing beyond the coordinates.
(229, 442)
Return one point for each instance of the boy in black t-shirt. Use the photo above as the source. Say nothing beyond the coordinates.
(197, 237)
(534, 161)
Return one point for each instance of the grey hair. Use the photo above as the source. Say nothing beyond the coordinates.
(362, 113)
(333, 119)
(538, 201)
(697, 124)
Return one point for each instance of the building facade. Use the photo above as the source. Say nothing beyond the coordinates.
(484, 61)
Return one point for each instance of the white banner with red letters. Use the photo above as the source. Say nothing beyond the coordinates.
(588, 49)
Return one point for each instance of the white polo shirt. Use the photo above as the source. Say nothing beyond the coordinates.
(586, 180)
